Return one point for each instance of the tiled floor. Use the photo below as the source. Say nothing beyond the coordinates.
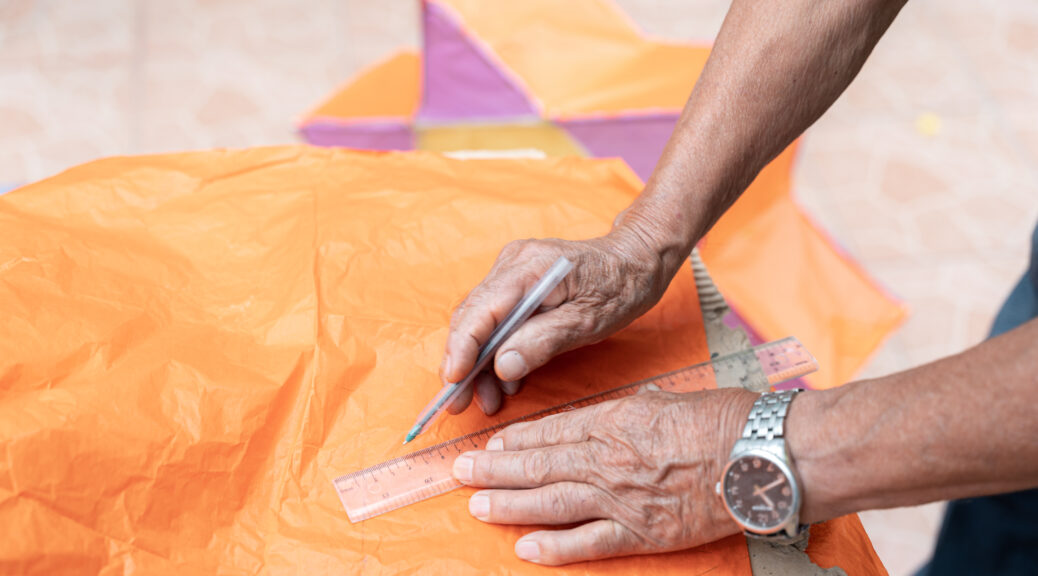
(926, 170)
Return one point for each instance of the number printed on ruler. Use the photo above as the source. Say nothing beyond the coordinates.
(427, 473)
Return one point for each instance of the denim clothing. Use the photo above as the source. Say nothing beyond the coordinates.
(994, 535)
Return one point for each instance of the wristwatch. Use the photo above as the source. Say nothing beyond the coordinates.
(759, 485)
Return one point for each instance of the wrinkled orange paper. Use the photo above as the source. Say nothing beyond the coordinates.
(194, 345)
(586, 60)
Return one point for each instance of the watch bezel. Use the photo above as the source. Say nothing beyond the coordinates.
(794, 509)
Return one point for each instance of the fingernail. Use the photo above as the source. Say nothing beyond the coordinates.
(479, 506)
(510, 388)
(496, 444)
(511, 366)
(447, 369)
(463, 468)
(528, 550)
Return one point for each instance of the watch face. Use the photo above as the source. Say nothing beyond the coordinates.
(758, 492)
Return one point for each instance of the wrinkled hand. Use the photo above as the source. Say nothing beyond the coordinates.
(615, 279)
(638, 472)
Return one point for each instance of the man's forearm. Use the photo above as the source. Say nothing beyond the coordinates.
(960, 427)
(775, 68)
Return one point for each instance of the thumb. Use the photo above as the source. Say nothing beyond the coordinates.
(543, 337)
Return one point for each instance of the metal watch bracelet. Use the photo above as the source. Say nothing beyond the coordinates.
(767, 418)
(765, 430)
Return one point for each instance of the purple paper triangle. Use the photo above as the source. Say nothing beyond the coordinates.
(364, 136)
(639, 140)
(460, 81)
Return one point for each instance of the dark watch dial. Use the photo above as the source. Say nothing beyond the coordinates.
(758, 492)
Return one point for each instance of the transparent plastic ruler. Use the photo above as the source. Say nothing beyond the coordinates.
(427, 473)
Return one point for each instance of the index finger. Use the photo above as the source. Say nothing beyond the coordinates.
(524, 469)
(489, 304)
(565, 428)
(473, 322)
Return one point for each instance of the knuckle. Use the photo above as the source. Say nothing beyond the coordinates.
(558, 502)
(512, 436)
(602, 452)
(527, 244)
(535, 468)
(462, 315)
(545, 433)
(485, 469)
(459, 313)
(658, 533)
(550, 554)
(585, 324)
(467, 337)
(519, 251)
(603, 545)
(501, 506)
(511, 249)
(620, 539)
(490, 469)
(612, 412)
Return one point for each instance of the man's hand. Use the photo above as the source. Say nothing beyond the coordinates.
(639, 473)
(615, 279)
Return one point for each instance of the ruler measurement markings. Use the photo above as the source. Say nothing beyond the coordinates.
(427, 476)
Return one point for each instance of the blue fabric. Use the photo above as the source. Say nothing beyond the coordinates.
(994, 535)
(1022, 304)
